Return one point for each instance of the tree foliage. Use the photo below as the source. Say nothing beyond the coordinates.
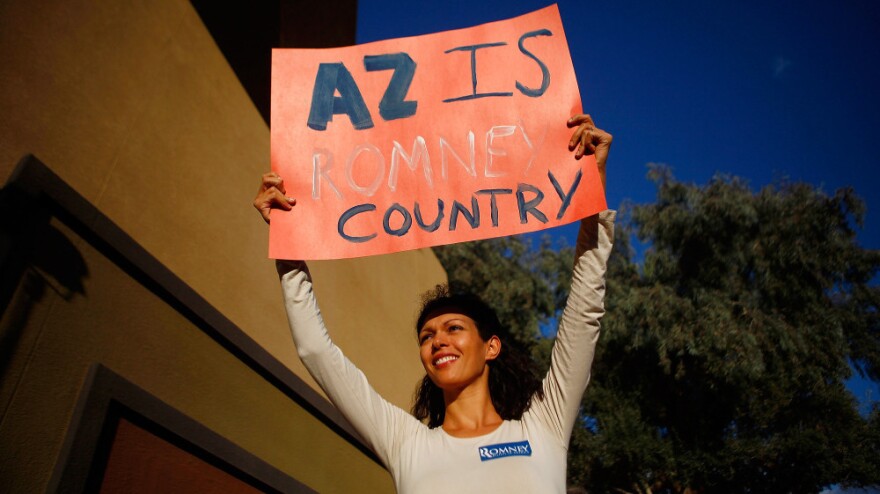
(725, 349)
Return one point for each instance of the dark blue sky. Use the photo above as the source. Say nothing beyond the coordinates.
(761, 90)
(749, 89)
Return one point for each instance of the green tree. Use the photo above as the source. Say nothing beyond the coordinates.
(724, 354)
(724, 351)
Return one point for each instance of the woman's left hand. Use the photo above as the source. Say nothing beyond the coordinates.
(588, 139)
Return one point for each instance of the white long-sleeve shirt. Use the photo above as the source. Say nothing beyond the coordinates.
(521, 456)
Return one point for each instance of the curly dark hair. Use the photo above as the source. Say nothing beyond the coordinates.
(513, 375)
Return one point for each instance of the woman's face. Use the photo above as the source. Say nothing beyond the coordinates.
(452, 351)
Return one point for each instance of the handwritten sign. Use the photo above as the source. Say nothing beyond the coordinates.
(428, 140)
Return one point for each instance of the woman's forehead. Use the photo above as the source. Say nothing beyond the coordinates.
(442, 315)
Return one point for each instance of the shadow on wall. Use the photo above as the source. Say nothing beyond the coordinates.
(35, 257)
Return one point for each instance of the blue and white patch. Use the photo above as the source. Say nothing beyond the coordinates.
(503, 450)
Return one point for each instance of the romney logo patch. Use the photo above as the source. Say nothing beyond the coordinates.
(503, 450)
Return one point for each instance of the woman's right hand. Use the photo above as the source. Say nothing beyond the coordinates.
(272, 196)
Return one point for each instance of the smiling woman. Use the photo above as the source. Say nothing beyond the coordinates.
(492, 425)
(447, 323)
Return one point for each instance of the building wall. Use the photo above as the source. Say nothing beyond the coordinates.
(112, 319)
(134, 106)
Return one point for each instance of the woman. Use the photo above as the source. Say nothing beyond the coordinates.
(481, 436)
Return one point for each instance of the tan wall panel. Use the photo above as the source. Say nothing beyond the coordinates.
(120, 324)
(74, 76)
(134, 106)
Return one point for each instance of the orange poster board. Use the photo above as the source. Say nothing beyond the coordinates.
(428, 140)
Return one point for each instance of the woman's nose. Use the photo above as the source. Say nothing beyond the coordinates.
(439, 340)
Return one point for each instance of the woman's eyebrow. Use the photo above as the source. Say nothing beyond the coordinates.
(454, 319)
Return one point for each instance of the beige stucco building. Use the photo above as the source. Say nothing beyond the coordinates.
(143, 343)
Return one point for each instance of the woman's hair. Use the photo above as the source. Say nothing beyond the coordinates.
(513, 375)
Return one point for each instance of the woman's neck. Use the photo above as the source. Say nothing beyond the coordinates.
(469, 412)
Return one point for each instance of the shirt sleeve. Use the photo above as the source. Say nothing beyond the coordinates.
(378, 422)
(578, 332)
